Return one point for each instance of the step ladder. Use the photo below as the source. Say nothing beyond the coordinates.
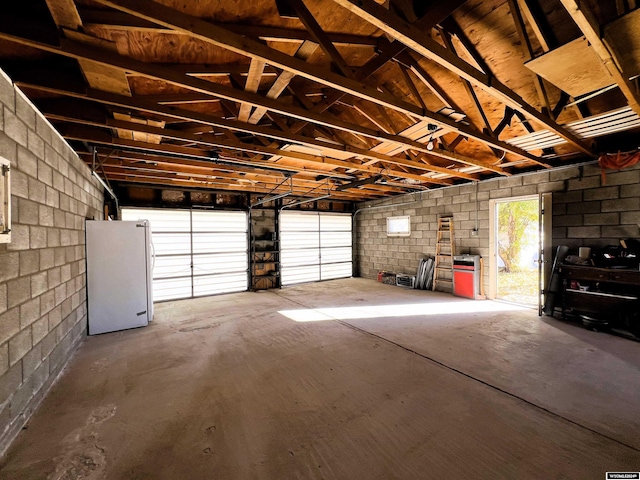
(445, 250)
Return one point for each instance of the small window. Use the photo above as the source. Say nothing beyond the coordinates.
(399, 226)
(5, 201)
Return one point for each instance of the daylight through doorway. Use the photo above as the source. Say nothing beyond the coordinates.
(518, 246)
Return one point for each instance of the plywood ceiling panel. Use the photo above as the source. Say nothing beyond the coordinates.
(574, 68)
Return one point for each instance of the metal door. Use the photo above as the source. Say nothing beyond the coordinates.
(197, 252)
(315, 246)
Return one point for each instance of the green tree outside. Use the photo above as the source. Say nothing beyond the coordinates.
(514, 219)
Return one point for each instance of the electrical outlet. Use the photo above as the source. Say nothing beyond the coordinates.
(474, 232)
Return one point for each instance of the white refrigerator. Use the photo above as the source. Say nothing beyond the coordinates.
(119, 275)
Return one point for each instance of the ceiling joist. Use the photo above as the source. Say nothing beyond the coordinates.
(221, 37)
(421, 43)
(374, 99)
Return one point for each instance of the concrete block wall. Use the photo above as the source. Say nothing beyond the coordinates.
(596, 211)
(42, 271)
(586, 212)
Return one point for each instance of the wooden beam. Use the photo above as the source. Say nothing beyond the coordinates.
(219, 166)
(170, 170)
(209, 33)
(506, 120)
(587, 22)
(212, 186)
(411, 86)
(94, 136)
(380, 123)
(527, 50)
(115, 20)
(316, 32)
(252, 84)
(367, 70)
(293, 155)
(228, 160)
(224, 38)
(423, 44)
(428, 81)
(64, 13)
(102, 77)
(304, 52)
(436, 11)
(446, 37)
(190, 180)
(79, 50)
(540, 33)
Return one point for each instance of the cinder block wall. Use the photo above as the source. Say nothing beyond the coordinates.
(594, 212)
(42, 271)
(586, 212)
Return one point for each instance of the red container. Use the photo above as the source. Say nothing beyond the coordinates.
(466, 276)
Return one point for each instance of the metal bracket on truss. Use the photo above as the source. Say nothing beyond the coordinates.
(105, 182)
(280, 195)
(308, 200)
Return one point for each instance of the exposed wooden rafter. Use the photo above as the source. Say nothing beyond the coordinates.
(210, 33)
(421, 43)
(77, 50)
(527, 50)
(253, 82)
(586, 21)
(378, 98)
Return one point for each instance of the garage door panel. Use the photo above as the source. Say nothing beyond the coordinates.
(296, 240)
(292, 258)
(163, 220)
(209, 259)
(174, 266)
(220, 222)
(330, 222)
(170, 243)
(293, 275)
(315, 246)
(338, 270)
(220, 263)
(335, 239)
(334, 255)
(215, 284)
(299, 222)
(171, 289)
(219, 242)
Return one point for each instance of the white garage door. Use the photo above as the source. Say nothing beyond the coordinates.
(314, 246)
(197, 252)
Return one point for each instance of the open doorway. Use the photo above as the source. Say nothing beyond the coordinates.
(520, 241)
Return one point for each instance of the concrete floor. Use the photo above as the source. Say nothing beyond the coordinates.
(378, 382)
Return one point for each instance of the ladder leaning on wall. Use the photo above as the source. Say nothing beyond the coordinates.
(445, 250)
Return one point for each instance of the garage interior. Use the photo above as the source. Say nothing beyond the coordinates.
(271, 146)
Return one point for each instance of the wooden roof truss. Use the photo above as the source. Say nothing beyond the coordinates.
(405, 100)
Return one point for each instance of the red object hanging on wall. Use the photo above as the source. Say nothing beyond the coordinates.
(617, 161)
